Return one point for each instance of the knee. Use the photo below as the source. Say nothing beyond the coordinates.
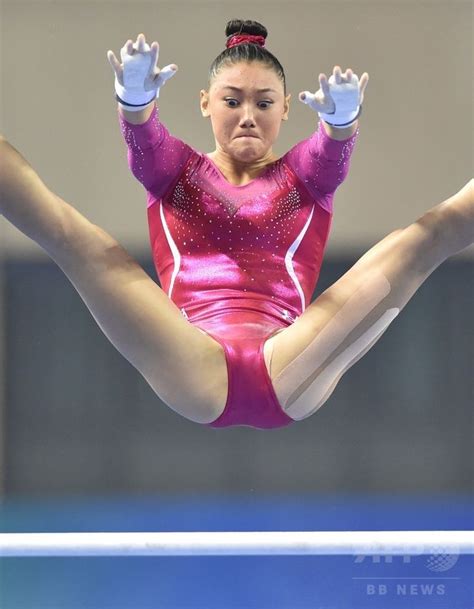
(441, 232)
(430, 226)
(450, 219)
(85, 240)
(71, 227)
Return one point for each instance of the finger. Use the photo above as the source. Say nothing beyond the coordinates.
(116, 66)
(141, 42)
(165, 74)
(309, 98)
(129, 47)
(114, 62)
(155, 52)
(362, 85)
(364, 79)
(337, 74)
(349, 75)
(323, 83)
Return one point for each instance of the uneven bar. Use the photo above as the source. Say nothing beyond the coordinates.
(237, 543)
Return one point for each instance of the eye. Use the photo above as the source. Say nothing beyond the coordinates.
(228, 100)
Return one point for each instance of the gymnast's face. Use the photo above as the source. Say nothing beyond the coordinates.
(245, 98)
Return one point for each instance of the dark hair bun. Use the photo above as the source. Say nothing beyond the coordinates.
(237, 26)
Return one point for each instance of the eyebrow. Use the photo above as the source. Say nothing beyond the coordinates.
(240, 90)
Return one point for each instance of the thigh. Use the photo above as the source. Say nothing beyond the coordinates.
(183, 365)
(307, 359)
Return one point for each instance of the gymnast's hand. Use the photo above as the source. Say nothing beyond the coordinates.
(339, 99)
(137, 78)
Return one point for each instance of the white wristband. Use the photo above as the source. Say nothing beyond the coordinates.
(134, 101)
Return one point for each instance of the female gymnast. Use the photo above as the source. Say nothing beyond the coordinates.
(237, 237)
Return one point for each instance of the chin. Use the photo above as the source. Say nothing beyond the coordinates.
(247, 158)
(248, 153)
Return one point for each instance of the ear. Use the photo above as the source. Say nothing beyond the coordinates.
(286, 107)
(204, 103)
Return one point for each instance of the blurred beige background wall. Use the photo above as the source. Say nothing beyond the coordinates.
(415, 146)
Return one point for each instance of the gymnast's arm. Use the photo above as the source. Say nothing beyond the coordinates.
(322, 161)
(137, 118)
(154, 156)
(340, 134)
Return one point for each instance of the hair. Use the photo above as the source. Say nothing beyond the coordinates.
(248, 52)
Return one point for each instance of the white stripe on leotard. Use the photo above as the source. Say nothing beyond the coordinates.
(289, 259)
(173, 248)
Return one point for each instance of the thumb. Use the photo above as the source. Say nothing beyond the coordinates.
(115, 64)
(304, 97)
(308, 98)
(165, 74)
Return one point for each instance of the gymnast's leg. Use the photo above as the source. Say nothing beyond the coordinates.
(307, 359)
(184, 366)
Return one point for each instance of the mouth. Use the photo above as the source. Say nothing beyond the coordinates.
(253, 136)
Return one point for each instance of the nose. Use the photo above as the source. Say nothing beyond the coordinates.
(247, 119)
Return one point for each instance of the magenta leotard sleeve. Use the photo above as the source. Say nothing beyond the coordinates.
(322, 163)
(155, 157)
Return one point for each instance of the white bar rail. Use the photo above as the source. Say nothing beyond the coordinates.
(238, 543)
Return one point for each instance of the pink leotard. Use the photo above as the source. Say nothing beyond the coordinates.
(241, 262)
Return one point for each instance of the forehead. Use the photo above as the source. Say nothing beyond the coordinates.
(253, 76)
